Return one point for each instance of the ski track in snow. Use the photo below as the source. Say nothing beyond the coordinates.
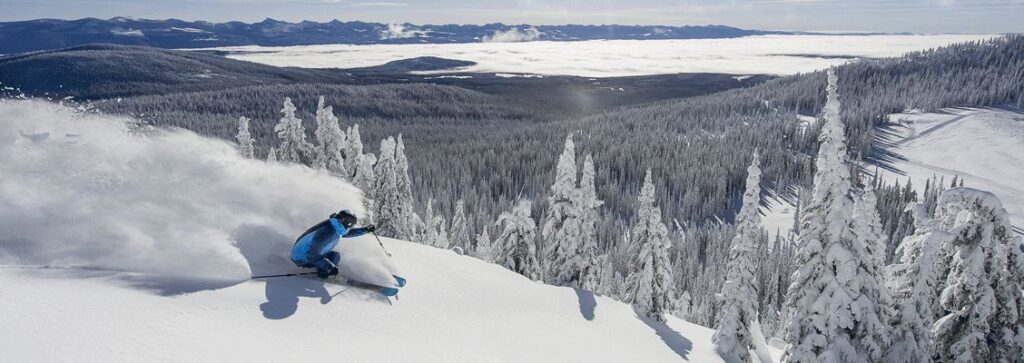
(985, 147)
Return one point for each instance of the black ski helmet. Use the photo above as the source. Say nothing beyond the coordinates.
(346, 218)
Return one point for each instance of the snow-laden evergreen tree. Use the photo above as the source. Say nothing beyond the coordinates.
(561, 229)
(1009, 324)
(293, 148)
(912, 282)
(387, 203)
(483, 250)
(459, 235)
(735, 337)
(832, 316)
(872, 308)
(650, 278)
(272, 155)
(433, 232)
(330, 141)
(515, 248)
(607, 276)
(354, 152)
(405, 191)
(428, 232)
(441, 226)
(981, 300)
(245, 140)
(365, 178)
(587, 206)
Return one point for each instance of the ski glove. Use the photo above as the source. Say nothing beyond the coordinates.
(371, 228)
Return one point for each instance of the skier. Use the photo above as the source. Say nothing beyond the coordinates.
(315, 247)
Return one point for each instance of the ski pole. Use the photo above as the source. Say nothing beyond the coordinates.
(381, 244)
(283, 275)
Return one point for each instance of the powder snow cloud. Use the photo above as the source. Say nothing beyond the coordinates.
(92, 191)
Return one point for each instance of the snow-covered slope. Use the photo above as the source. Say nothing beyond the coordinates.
(454, 309)
(985, 147)
(145, 233)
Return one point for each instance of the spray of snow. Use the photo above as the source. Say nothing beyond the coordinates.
(514, 35)
(93, 191)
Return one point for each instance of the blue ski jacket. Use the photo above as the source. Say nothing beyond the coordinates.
(319, 240)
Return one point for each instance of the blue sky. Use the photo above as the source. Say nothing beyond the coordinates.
(864, 15)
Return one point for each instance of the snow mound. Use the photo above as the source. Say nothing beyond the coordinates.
(92, 191)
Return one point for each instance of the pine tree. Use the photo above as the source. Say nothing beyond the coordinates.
(588, 204)
(330, 141)
(561, 229)
(831, 312)
(365, 179)
(354, 152)
(428, 232)
(245, 140)
(735, 336)
(912, 282)
(433, 231)
(981, 300)
(606, 267)
(272, 155)
(405, 191)
(387, 204)
(483, 250)
(294, 148)
(459, 235)
(515, 248)
(650, 279)
(873, 305)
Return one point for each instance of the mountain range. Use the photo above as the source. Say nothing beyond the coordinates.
(45, 34)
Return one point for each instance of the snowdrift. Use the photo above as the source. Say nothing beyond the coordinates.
(91, 191)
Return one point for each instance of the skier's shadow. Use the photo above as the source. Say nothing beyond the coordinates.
(266, 251)
(283, 295)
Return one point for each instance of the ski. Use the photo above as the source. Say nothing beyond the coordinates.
(283, 275)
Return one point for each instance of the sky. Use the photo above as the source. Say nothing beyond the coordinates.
(922, 16)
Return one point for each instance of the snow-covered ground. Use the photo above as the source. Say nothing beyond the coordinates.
(454, 309)
(777, 215)
(148, 238)
(771, 54)
(985, 147)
